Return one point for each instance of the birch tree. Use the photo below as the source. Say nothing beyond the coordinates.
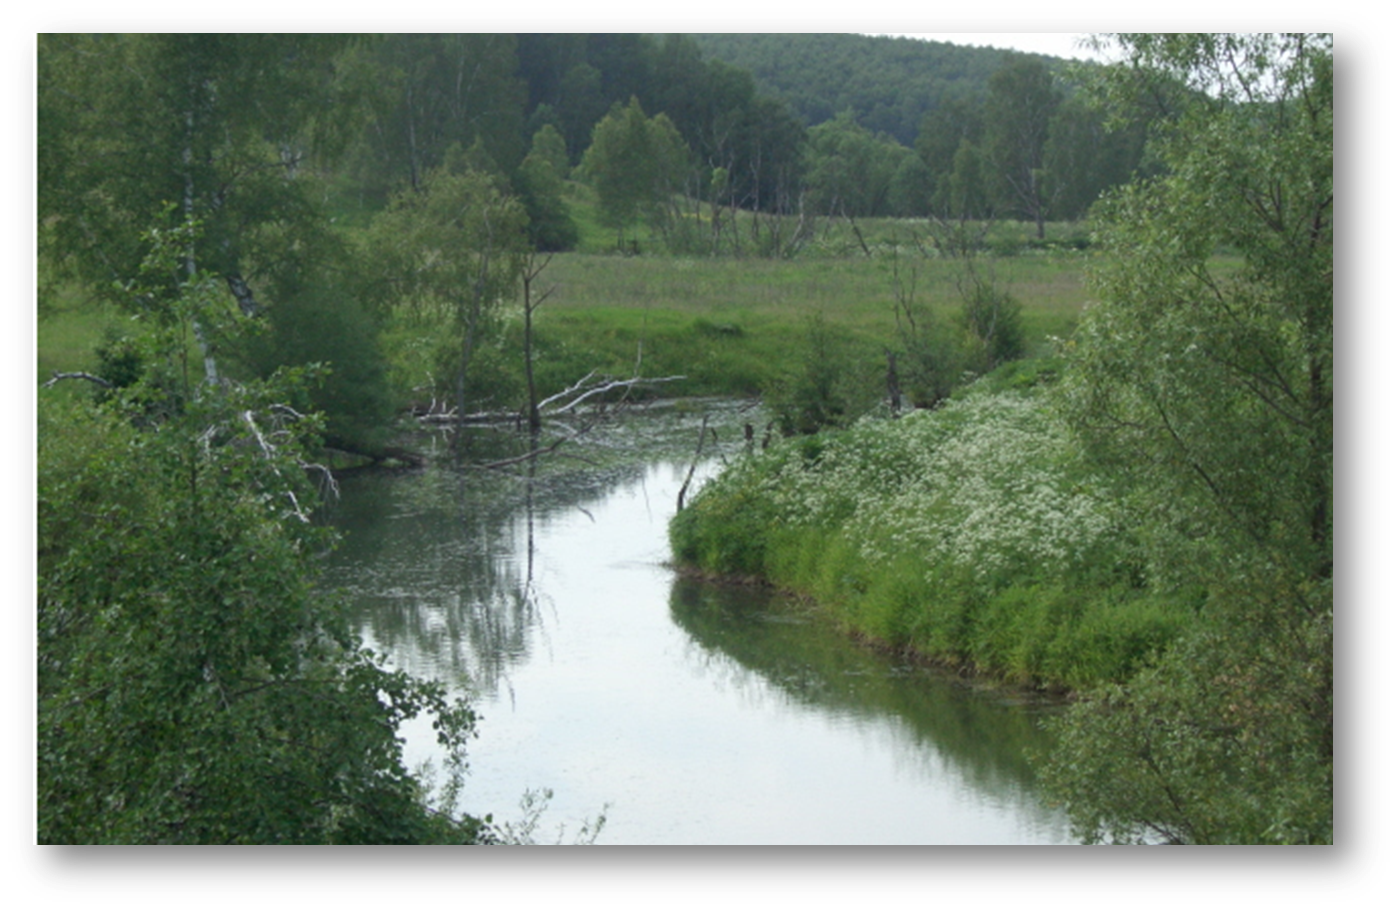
(140, 131)
(1018, 112)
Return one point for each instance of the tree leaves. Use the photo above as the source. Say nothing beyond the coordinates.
(1204, 381)
(194, 686)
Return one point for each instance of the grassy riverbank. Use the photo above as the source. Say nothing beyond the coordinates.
(974, 534)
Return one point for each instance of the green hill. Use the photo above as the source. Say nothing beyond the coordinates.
(889, 83)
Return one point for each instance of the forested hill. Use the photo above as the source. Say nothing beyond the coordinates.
(889, 83)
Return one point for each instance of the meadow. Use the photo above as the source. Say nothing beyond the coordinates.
(736, 327)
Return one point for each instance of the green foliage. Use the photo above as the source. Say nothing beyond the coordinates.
(1083, 156)
(1217, 385)
(891, 84)
(193, 686)
(992, 319)
(418, 95)
(539, 183)
(930, 360)
(120, 360)
(1207, 393)
(974, 533)
(1225, 740)
(636, 165)
(949, 143)
(141, 130)
(1022, 102)
(318, 321)
(825, 391)
(447, 256)
(853, 173)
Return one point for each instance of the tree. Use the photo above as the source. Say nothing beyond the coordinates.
(637, 165)
(1207, 386)
(138, 130)
(423, 94)
(1083, 156)
(539, 182)
(141, 130)
(319, 319)
(770, 156)
(449, 253)
(948, 143)
(1018, 111)
(194, 686)
(850, 171)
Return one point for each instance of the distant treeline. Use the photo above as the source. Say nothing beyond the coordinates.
(840, 125)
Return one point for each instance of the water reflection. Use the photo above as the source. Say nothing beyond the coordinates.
(757, 638)
(439, 564)
(732, 716)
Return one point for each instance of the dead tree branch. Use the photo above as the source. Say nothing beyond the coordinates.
(79, 375)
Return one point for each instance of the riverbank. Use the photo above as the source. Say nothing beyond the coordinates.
(975, 536)
(965, 673)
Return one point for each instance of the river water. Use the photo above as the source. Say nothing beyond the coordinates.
(687, 712)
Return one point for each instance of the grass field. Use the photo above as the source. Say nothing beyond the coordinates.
(731, 325)
(735, 325)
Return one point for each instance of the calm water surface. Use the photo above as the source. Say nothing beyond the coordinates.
(692, 713)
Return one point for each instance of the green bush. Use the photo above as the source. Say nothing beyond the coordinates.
(992, 319)
(319, 322)
(828, 389)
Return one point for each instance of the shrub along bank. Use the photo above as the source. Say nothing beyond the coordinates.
(973, 534)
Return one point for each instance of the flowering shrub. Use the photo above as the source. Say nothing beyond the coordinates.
(974, 532)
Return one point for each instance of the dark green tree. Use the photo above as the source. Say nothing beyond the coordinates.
(1084, 157)
(139, 130)
(423, 94)
(910, 191)
(637, 165)
(849, 170)
(319, 319)
(1018, 111)
(581, 104)
(949, 144)
(539, 183)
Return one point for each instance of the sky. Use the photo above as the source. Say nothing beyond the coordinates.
(1057, 44)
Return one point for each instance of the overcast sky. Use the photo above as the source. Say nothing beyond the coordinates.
(1059, 44)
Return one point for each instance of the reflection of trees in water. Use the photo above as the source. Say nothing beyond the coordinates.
(770, 646)
(434, 575)
(439, 563)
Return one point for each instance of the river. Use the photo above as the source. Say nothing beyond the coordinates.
(687, 712)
